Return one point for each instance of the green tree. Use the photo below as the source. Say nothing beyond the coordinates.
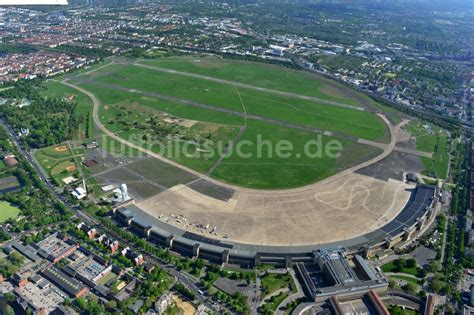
(434, 266)
(411, 263)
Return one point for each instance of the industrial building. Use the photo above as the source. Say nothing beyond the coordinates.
(27, 251)
(72, 287)
(55, 247)
(87, 267)
(38, 295)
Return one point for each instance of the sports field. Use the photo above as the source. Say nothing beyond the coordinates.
(197, 112)
(57, 162)
(7, 211)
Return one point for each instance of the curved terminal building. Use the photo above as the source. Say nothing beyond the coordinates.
(412, 218)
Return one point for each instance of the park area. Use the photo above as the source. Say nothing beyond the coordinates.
(272, 282)
(82, 111)
(58, 162)
(431, 139)
(8, 211)
(198, 112)
(404, 268)
(276, 288)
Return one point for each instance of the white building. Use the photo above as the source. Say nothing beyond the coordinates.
(79, 193)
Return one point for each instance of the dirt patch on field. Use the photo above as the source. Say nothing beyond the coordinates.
(332, 90)
(209, 63)
(61, 148)
(336, 89)
(405, 140)
(186, 307)
(70, 168)
(188, 123)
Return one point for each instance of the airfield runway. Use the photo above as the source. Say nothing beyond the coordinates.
(343, 206)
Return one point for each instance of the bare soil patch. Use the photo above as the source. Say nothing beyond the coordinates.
(70, 168)
(186, 307)
(61, 148)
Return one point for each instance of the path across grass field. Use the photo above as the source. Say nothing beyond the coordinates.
(263, 75)
(127, 80)
(125, 95)
(112, 135)
(252, 87)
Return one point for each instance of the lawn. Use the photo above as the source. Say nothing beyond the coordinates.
(418, 128)
(56, 152)
(430, 181)
(108, 277)
(7, 211)
(199, 155)
(284, 108)
(391, 267)
(86, 126)
(441, 157)
(272, 282)
(244, 272)
(426, 142)
(272, 77)
(397, 310)
(189, 145)
(6, 88)
(256, 172)
(297, 169)
(63, 168)
(439, 163)
(264, 75)
(109, 96)
(432, 139)
(405, 278)
(203, 143)
(275, 301)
